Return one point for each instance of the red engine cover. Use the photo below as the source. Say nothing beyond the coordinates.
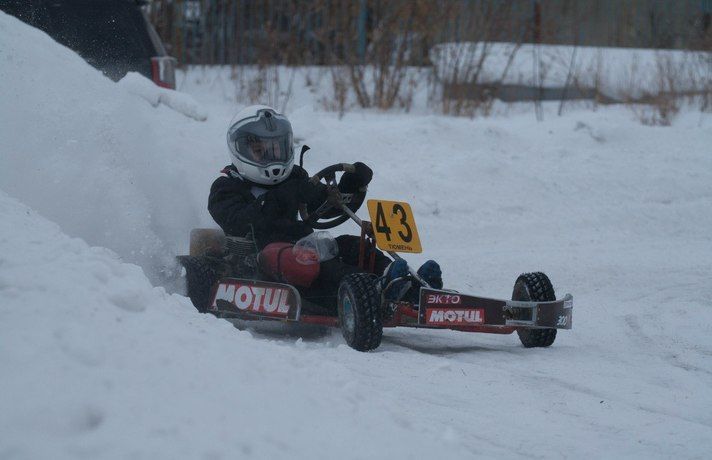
(281, 262)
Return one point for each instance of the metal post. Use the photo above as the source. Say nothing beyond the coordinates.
(363, 12)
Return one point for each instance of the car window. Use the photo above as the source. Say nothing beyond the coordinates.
(101, 30)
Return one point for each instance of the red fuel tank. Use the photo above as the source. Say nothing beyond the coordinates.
(296, 267)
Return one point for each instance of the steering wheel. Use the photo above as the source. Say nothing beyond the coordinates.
(332, 208)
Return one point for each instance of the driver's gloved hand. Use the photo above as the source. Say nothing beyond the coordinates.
(357, 180)
(363, 173)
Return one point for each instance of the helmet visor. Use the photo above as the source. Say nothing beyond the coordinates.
(265, 150)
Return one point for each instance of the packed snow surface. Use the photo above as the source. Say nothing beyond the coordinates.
(99, 189)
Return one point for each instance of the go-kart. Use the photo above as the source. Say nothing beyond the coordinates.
(226, 276)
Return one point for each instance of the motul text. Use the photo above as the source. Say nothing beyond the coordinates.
(438, 316)
(258, 299)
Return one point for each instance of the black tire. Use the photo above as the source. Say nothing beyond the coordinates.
(534, 286)
(201, 274)
(358, 303)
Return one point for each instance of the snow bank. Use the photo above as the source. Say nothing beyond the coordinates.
(101, 162)
(136, 83)
(618, 73)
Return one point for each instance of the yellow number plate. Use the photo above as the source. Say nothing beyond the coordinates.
(394, 226)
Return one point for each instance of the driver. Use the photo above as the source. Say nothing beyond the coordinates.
(262, 188)
(255, 146)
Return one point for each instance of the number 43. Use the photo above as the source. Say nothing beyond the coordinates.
(382, 224)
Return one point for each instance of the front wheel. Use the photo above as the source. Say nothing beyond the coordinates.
(360, 311)
(534, 287)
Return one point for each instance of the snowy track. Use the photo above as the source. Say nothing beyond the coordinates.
(97, 363)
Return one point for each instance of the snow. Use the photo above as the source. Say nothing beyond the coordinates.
(137, 84)
(82, 150)
(99, 359)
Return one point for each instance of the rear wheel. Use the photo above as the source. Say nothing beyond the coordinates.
(534, 287)
(360, 311)
(201, 274)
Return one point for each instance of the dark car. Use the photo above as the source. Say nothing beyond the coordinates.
(112, 35)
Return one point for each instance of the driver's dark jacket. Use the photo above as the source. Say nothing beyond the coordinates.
(238, 212)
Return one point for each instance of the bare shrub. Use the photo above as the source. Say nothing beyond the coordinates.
(340, 91)
(705, 99)
(659, 111)
(405, 97)
(672, 80)
(372, 47)
(263, 83)
(460, 85)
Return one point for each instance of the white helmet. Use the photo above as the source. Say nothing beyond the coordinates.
(260, 142)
